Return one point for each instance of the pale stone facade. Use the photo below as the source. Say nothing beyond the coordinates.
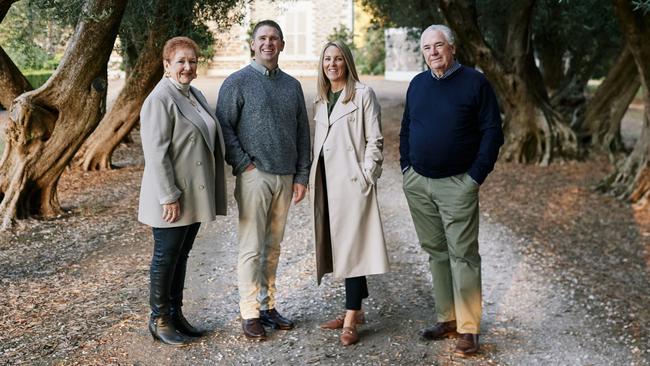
(305, 24)
(403, 57)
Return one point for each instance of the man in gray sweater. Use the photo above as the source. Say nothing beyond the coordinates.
(265, 128)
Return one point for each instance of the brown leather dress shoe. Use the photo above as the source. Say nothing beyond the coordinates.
(467, 344)
(440, 330)
(253, 329)
(337, 323)
(271, 318)
(349, 336)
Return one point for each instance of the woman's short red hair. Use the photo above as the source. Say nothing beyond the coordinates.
(173, 44)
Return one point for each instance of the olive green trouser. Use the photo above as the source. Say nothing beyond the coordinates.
(445, 215)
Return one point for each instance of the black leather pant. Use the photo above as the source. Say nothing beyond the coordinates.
(168, 266)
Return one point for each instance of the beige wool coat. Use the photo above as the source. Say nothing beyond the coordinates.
(180, 160)
(350, 239)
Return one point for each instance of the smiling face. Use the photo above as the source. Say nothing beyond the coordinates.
(267, 46)
(182, 65)
(334, 67)
(437, 51)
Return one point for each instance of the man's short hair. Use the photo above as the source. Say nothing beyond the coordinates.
(446, 31)
(270, 23)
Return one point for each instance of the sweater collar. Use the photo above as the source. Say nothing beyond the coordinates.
(271, 74)
(454, 67)
(184, 88)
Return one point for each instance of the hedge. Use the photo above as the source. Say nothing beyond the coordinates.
(38, 77)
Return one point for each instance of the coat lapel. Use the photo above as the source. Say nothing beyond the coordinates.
(341, 110)
(321, 113)
(190, 112)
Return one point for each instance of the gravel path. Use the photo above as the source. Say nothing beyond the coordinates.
(92, 293)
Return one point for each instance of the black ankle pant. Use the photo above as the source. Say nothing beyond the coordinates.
(356, 289)
(168, 266)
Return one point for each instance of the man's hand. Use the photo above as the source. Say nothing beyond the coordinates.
(172, 211)
(299, 191)
(250, 167)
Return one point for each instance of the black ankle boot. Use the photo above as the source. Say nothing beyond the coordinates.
(183, 326)
(163, 329)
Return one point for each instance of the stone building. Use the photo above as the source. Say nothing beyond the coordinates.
(403, 57)
(305, 24)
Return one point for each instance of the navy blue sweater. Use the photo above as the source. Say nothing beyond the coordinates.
(451, 126)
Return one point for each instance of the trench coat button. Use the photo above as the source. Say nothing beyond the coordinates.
(201, 186)
(354, 179)
(192, 139)
(198, 163)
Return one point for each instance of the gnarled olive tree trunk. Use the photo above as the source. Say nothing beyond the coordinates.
(534, 131)
(47, 125)
(96, 152)
(631, 180)
(12, 81)
(601, 126)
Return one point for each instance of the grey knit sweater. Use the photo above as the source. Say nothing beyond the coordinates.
(264, 121)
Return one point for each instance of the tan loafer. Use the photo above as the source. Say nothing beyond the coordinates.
(349, 336)
(337, 323)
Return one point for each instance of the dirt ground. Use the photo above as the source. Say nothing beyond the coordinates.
(565, 276)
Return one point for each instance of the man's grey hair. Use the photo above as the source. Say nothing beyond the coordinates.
(446, 31)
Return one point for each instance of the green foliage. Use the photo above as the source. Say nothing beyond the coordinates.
(184, 18)
(643, 5)
(33, 36)
(65, 13)
(38, 77)
(585, 32)
(343, 34)
(403, 13)
(369, 59)
(372, 56)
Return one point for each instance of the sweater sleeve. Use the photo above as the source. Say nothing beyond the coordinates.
(228, 111)
(491, 133)
(404, 160)
(303, 143)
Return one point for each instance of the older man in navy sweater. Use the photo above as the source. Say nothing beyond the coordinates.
(449, 141)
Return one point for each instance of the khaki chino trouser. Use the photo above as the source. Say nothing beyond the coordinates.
(445, 215)
(263, 200)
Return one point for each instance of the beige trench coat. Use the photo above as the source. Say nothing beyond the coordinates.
(180, 159)
(350, 242)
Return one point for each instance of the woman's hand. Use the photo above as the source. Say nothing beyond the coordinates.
(172, 211)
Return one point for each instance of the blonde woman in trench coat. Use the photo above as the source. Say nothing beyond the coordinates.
(347, 162)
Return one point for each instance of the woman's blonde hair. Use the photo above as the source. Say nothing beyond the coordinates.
(324, 85)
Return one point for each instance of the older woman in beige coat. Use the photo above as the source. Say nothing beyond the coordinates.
(347, 163)
(183, 183)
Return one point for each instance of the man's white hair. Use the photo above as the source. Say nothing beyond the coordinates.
(446, 31)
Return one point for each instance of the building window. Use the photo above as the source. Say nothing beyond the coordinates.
(295, 20)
